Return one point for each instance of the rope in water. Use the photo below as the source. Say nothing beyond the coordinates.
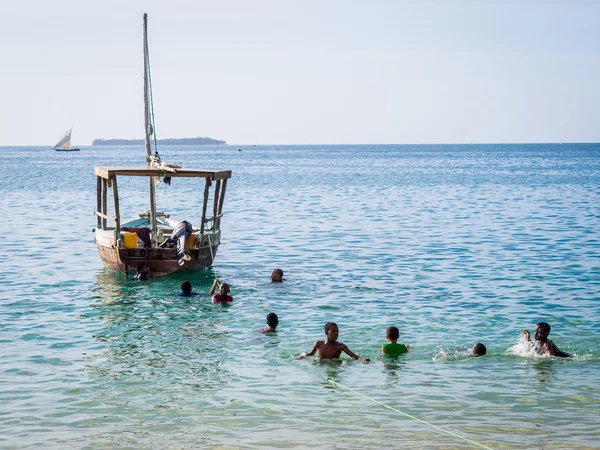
(335, 383)
(213, 257)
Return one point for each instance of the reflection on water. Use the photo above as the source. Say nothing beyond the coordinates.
(156, 337)
(393, 365)
(543, 367)
(333, 369)
(109, 287)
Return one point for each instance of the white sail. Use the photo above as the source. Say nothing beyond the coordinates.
(65, 141)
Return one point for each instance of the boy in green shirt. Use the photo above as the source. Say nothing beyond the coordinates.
(393, 348)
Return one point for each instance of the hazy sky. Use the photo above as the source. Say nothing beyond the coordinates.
(303, 72)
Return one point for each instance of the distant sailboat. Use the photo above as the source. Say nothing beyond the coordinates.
(64, 144)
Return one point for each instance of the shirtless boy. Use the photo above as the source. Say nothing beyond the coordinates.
(272, 322)
(545, 346)
(330, 348)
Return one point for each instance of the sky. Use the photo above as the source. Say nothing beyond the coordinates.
(303, 72)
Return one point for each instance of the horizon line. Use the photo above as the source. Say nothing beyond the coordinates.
(322, 144)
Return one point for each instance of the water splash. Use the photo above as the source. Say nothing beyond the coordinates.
(456, 354)
(524, 348)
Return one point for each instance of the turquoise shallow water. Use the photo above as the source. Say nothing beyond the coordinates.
(452, 244)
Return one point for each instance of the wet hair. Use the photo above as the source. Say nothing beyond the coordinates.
(140, 267)
(479, 349)
(392, 333)
(329, 325)
(186, 287)
(277, 276)
(272, 320)
(544, 326)
(226, 286)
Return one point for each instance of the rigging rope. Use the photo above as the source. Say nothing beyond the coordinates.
(153, 160)
(151, 101)
(335, 383)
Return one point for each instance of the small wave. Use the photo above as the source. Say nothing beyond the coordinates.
(455, 354)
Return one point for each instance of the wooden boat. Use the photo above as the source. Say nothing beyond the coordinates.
(155, 228)
(64, 143)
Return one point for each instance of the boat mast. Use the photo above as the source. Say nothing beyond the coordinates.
(149, 131)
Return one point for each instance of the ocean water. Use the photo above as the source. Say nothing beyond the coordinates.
(453, 244)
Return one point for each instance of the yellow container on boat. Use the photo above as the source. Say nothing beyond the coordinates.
(130, 240)
(191, 241)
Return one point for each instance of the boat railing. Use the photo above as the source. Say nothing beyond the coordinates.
(214, 224)
(104, 216)
(211, 229)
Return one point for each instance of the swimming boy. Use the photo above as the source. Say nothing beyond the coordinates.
(222, 296)
(186, 289)
(277, 276)
(330, 348)
(545, 346)
(143, 273)
(393, 348)
(272, 322)
(479, 349)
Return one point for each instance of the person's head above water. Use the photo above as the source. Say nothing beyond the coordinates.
(542, 330)
(143, 272)
(479, 349)
(392, 334)
(331, 331)
(224, 289)
(272, 320)
(277, 276)
(186, 287)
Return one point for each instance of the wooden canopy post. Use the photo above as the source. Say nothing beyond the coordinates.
(204, 205)
(221, 200)
(104, 202)
(216, 204)
(98, 200)
(117, 215)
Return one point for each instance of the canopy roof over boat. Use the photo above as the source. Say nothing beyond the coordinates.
(147, 171)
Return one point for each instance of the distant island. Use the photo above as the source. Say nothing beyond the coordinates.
(179, 141)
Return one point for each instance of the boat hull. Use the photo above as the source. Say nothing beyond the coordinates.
(161, 261)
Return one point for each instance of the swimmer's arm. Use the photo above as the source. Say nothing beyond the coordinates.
(552, 349)
(214, 286)
(408, 347)
(312, 352)
(383, 350)
(351, 354)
